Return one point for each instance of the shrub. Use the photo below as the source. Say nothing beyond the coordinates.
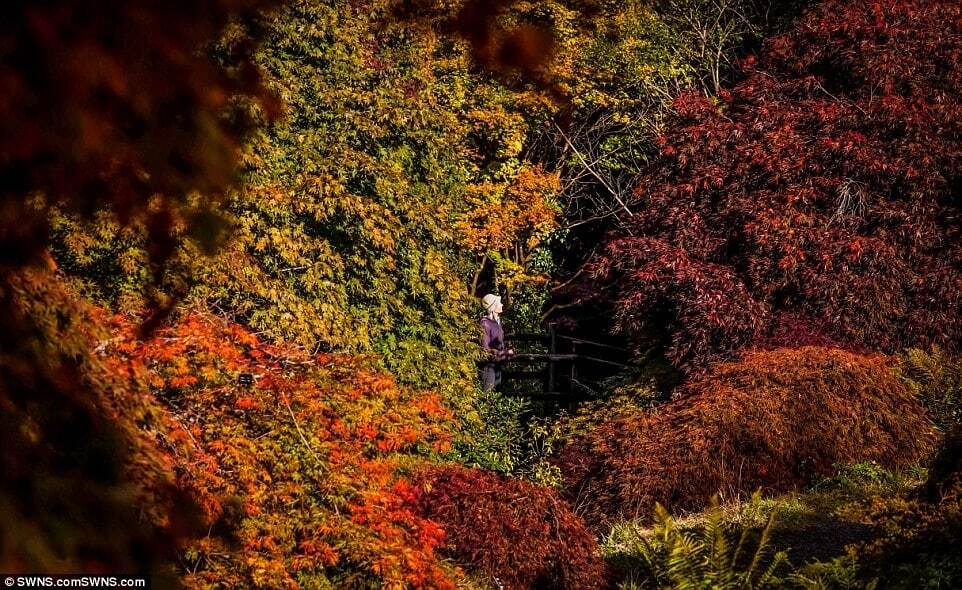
(771, 420)
(722, 549)
(492, 433)
(867, 478)
(838, 573)
(523, 535)
(937, 379)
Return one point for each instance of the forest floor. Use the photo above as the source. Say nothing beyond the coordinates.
(816, 523)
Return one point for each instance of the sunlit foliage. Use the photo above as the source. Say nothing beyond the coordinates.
(292, 458)
(770, 420)
(823, 186)
(712, 556)
(936, 377)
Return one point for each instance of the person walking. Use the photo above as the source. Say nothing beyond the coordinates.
(492, 341)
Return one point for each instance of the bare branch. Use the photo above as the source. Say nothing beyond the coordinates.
(592, 171)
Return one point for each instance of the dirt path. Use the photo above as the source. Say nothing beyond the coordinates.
(821, 540)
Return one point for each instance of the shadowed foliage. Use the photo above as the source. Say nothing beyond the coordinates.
(817, 200)
(102, 105)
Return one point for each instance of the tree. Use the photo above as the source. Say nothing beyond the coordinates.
(818, 198)
(103, 105)
(295, 460)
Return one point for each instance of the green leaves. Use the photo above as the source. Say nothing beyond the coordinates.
(344, 242)
(715, 555)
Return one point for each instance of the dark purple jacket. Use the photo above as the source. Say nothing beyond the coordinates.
(493, 339)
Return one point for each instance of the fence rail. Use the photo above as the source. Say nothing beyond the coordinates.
(568, 367)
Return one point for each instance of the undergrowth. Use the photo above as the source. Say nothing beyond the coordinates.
(936, 377)
(698, 549)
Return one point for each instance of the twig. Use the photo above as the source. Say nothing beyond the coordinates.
(300, 432)
(591, 170)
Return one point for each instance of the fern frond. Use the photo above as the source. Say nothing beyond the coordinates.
(763, 542)
(707, 558)
(768, 576)
(715, 538)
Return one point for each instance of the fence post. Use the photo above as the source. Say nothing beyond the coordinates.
(552, 350)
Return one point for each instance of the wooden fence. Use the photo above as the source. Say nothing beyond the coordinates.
(558, 370)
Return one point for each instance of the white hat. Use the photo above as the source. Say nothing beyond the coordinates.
(489, 301)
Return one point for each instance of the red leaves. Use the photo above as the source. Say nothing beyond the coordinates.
(818, 194)
(712, 308)
(855, 249)
(510, 529)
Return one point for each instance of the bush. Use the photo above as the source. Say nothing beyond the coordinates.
(728, 547)
(492, 432)
(520, 534)
(771, 420)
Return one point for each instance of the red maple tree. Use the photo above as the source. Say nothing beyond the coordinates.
(816, 201)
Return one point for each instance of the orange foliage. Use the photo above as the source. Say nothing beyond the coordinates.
(773, 419)
(296, 473)
(501, 217)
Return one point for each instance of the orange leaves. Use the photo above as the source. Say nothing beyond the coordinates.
(505, 222)
(182, 381)
(318, 552)
(408, 541)
(247, 403)
(501, 216)
(299, 461)
(532, 193)
(430, 406)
